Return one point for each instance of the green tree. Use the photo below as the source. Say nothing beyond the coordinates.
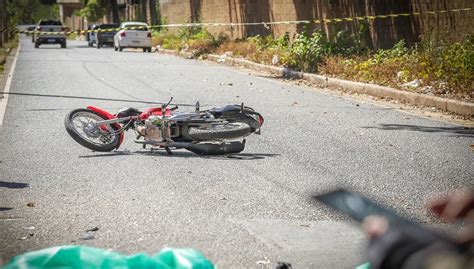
(94, 10)
(30, 11)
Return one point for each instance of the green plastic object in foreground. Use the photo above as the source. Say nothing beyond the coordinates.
(363, 266)
(68, 257)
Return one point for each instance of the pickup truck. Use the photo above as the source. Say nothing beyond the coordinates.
(53, 27)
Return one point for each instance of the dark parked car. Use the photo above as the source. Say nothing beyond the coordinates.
(105, 34)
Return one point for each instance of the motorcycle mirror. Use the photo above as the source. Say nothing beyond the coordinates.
(167, 104)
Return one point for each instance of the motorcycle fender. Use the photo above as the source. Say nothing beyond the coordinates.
(109, 116)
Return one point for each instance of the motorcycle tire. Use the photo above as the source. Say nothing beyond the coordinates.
(100, 140)
(219, 132)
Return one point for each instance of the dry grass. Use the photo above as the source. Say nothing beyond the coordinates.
(443, 69)
(238, 48)
(396, 72)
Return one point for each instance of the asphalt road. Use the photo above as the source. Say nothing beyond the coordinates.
(251, 210)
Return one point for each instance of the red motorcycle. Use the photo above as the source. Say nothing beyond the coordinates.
(215, 131)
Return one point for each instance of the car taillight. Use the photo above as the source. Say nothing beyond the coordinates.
(148, 35)
(260, 120)
(122, 34)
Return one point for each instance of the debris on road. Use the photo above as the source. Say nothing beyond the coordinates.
(471, 146)
(30, 205)
(263, 262)
(26, 237)
(88, 236)
(90, 233)
(95, 229)
(283, 265)
(29, 228)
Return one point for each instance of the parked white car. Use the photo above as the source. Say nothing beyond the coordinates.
(133, 35)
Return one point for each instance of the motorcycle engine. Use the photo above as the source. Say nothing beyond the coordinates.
(152, 128)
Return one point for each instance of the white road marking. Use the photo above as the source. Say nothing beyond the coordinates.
(4, 100)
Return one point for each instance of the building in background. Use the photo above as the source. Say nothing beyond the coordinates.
(68, 13)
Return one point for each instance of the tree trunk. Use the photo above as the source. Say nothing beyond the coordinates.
(3, 22)
(115, 15)
(152, 8)
(143, 5)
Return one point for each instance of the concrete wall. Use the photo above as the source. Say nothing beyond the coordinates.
(382, 32)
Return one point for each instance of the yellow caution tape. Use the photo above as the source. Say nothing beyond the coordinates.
(265, 24)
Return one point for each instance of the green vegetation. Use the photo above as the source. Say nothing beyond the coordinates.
(5, 50)
(94, 9)
(442, 68)
(30, 11)
(195, 39)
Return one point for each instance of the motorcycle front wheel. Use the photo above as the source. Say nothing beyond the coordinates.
(219, 131)
(80, 125)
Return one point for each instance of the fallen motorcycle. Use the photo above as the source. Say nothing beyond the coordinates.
(208, 132)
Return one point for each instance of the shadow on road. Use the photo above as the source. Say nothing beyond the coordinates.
(459, 131)
(183, 154)
(5, 208)
(13, 185)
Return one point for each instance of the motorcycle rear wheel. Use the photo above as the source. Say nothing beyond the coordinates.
(80, 126)
(220, 132)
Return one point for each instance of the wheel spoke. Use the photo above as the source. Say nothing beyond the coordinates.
(84, 120)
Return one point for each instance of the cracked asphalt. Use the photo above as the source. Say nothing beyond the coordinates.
(244, 211)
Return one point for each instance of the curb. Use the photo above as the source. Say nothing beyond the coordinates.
(450, 105)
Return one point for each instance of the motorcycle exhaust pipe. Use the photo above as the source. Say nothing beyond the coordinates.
(217, 149)
(202, 148)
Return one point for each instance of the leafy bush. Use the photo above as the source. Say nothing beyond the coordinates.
(443, 69)
(167, 40)
(307, 51)
(196, 39)
(451, 64)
